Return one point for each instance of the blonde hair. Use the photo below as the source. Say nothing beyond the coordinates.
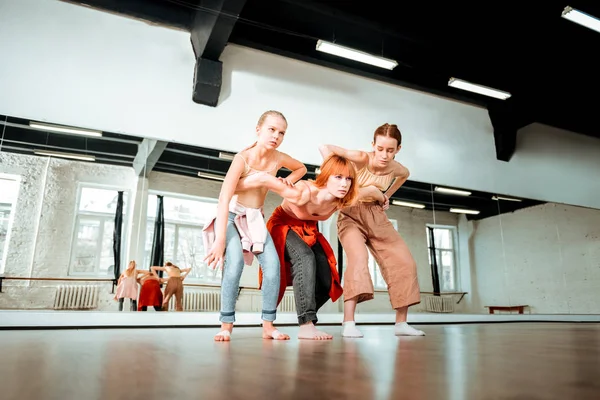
(338, 165)
(271, 113)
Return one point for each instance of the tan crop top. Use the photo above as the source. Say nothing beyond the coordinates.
(364, 178)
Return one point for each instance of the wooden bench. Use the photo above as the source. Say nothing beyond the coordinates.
(519, 309)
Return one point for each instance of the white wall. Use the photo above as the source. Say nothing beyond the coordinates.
(547, 257)
(117, 74)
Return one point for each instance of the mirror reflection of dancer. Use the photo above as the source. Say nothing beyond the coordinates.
(150, 293)
(127, 287)
(239, 229)
(174, 284)
(365, 225)
(307, 260)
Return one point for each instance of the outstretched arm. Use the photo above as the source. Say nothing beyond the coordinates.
(298, 169)
(298, 194)
(358, 157)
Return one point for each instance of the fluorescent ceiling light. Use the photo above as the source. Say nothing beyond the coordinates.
(407, 204)
(211, 176)
(64, 129)
(581, 18)
(484, 90)
(356, 55)
(505, 198)
(73, 156)
(452, 191)
(226, 156)
(463, 211)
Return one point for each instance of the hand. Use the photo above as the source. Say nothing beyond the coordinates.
(214, 259)
(286, 181)
(386, 203)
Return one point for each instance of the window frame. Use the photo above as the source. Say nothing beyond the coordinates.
(103, 218)
(455, 255)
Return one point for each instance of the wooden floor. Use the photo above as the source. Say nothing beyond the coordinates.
(486, 361)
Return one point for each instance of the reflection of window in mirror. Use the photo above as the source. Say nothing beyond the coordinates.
(92, 248)
(9, 190)
(446, 255)
(185, 217)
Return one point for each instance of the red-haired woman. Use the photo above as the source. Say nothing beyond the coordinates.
(365, 225)
(306, 258)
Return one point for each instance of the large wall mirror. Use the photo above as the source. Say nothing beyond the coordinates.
(77, 205)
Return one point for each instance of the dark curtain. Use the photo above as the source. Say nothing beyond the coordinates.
(158, 241)
(435, 276)
(117, 240)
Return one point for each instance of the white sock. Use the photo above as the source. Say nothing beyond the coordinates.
(403, 329)
(349, 329)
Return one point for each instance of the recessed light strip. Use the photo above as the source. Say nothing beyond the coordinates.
(581, 18)
(464, 211)
(72, 156)
(480, 89)
(356, 55)
(64, 129)
(505, 198)
(206, 175)
(452, 191)
(407, 204)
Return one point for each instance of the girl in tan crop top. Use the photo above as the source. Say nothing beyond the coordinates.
(366, 226)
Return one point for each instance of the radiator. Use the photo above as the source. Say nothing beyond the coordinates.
(439, 304)
(288, 304)
(202, 300)
(76, 297)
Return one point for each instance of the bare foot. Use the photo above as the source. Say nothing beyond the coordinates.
(308, 331)
(225, 334)
(270, 332)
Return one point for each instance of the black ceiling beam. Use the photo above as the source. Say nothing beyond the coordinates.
(507, 117)
(155, 11)
(212, 25)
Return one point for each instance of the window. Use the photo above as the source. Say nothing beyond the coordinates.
(184, 219)
(9, 190)
(445, 250)
(92, 250)
(375, 272)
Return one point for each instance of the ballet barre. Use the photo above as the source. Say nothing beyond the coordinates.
(23, 278)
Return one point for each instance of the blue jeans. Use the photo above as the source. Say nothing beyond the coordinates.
(232, 272)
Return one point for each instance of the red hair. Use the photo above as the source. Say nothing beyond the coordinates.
(338, 165)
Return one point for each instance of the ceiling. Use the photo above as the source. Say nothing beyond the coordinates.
(16, 136)
(547, 63)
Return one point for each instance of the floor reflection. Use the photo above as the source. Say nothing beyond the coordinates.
(526, 360)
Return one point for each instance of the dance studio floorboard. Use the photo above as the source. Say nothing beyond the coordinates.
(477, 361)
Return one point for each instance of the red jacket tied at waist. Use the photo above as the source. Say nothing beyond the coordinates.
(278, 225)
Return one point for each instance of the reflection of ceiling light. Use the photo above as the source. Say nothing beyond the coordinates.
(480, 89)
(505, 198)
(452, 191)
(407, 204)
(226, 156)
(356, 55)
(211, 176)
(65, 129)
(463, 211)
(73, 156)
(581, 18)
